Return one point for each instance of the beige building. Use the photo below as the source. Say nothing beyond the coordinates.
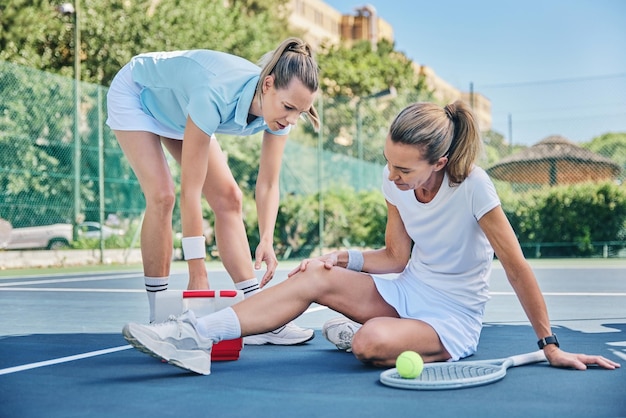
(446, 93)
(322, 23)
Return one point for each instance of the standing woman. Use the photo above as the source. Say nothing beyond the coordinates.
(179, 100)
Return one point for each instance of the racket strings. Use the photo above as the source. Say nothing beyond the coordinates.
(458, 371)
(453, 372)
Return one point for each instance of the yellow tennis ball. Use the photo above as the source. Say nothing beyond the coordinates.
(409, 364)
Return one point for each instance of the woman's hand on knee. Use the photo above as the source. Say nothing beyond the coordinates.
(328, 260)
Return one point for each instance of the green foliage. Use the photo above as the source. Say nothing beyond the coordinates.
(350, 219)
(35, 34)
(582, 214)
(613, 146)
(355, 122)
(31, 138)
(495, 148)
(370, 211)
(37, 151)
(359, 70)
(36, 127)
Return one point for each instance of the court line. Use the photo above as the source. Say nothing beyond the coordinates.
(598, 294)
(618, 354)
(73, 280)
(69, 289)
(63, 359)
(89, 290)
(67, 359)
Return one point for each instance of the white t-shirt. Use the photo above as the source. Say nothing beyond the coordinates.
(451, 254)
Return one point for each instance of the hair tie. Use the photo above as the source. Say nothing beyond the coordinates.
(299, 49)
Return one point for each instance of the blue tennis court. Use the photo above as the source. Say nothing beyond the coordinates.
(62, 355)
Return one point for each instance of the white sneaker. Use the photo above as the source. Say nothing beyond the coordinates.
(176, 341)
(340, 331)
(289, 334)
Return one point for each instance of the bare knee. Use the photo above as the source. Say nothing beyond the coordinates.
(162, 200)
(316, 279)
(380, 341)
(227, 202)
(370, 344)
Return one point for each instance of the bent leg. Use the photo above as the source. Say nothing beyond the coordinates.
(226, 200)
(381, 340)
(147, 159)
(350, 293)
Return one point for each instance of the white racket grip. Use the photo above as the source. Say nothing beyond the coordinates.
(194, 247)
(535, 357)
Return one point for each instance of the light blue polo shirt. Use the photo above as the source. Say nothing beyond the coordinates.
(215, 89)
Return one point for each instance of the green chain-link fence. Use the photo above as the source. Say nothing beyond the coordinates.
(55, 172)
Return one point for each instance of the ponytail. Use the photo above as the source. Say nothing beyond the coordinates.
(292, 58)
(449, 132)
(466, 145)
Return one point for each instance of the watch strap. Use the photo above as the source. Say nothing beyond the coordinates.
(548, 340)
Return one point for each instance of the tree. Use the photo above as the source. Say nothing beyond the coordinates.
(34, 169)
(359, 70)
(350, 76)
(36, 35)
(36, 119)
(613, 146)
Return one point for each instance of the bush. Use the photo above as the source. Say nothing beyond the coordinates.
(350, 219)
(580, 214)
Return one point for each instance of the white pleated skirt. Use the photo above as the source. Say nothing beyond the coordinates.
(124, 110)
(458, 328)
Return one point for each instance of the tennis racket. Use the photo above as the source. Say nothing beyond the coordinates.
(461, 374)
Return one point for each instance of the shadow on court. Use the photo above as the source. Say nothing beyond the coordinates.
(311, 380)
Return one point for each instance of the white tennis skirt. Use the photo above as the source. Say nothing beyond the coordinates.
(458, 328)
(124, 110)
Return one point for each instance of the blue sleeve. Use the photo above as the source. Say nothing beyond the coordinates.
(204, 113)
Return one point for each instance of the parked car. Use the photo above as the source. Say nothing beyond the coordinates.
(55, 236)
(92, 230)
(51, 237)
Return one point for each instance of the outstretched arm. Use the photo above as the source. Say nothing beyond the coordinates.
(519, 273)
(267, 201)
(193, 168)
(390, 259)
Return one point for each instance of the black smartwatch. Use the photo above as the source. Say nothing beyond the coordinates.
(548, 340)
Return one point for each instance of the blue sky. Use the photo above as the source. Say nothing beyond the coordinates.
(557, 67)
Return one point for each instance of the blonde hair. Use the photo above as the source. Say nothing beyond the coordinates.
(292, 58)
(450, 132)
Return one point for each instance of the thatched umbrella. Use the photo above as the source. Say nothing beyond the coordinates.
(554, 160)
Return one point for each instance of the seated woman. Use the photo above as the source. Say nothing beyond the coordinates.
(444, 223)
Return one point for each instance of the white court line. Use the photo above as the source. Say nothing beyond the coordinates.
(79, 279)
(571, 265)
(88, 290)
(62, 289)
(62, 360)
(91, 353)
(316, 309)
(618, 354)
(598, 294)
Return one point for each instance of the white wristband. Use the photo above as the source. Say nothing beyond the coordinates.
(355, 260)
(194, 247)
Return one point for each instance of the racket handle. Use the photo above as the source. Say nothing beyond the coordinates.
(535, 357)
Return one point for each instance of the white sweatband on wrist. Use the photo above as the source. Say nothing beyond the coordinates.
(355, 260)
(194, 247)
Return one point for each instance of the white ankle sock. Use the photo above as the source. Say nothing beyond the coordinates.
(153, 286)
(221, 325)
(249, 287)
